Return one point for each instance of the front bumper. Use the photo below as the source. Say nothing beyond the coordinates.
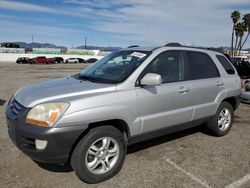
(60, 140)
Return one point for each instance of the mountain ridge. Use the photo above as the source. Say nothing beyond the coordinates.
(29, 46)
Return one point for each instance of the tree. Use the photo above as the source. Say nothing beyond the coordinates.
(235, 15)
(237, 31)
(240, 29)
(246, 20)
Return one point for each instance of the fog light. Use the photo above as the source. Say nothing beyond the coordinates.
(41, 144)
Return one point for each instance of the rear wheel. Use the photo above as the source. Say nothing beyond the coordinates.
(99, 155)
(223, 120)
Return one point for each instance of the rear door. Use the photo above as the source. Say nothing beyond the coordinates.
(207, 84)
(165, 105)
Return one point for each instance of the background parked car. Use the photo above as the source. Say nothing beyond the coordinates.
(242, 66)
(59, 59)
(23, 60)
(72, 60)
(42, 60)
(80, 60)
(92, 60)
(245, 96)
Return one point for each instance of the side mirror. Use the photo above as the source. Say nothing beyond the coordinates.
(151, 79)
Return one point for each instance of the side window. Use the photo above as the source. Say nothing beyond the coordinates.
(226, 65)
(169, 64)
(200, 66)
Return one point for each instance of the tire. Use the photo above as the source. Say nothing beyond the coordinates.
(226, 112)
(81, 159)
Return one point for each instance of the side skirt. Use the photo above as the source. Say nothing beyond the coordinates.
(168, 130)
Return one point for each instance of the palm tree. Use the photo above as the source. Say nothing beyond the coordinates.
(235, 15)
(237, 31)
(240, 29)
(246, 20)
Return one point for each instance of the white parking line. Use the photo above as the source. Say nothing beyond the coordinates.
(239, 182)
(203, 183)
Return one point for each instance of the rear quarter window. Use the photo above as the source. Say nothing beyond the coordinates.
(226, 64)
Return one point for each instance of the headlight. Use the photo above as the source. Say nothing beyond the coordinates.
(46, 114)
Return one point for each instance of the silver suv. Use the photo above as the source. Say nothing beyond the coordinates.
(130, 95)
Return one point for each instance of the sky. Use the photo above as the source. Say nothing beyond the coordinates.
(120, 22)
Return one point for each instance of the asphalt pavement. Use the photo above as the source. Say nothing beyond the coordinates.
(191, 158)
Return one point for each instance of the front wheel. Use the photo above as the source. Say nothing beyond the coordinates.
(223, 120)
(99, 155)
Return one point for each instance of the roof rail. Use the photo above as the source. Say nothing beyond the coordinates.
(173, 44)
(133, 46)
(216, 49)
(219, 50)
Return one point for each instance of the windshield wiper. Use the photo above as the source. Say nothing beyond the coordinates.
(89, 78)
(94, 80)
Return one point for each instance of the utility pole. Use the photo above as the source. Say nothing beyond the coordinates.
(32, 40)
(85, 42)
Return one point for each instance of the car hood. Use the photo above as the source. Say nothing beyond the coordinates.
(58, 89)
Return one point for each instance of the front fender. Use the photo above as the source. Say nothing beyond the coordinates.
(97, 114)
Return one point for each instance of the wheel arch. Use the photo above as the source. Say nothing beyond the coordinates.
(232, 101)
(119, 124)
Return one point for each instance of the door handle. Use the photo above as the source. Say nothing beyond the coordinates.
(219, 83)
(183, 90)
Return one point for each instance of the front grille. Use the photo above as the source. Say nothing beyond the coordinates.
(15, 106)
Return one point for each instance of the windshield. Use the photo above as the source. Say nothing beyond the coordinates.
(115, 67)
